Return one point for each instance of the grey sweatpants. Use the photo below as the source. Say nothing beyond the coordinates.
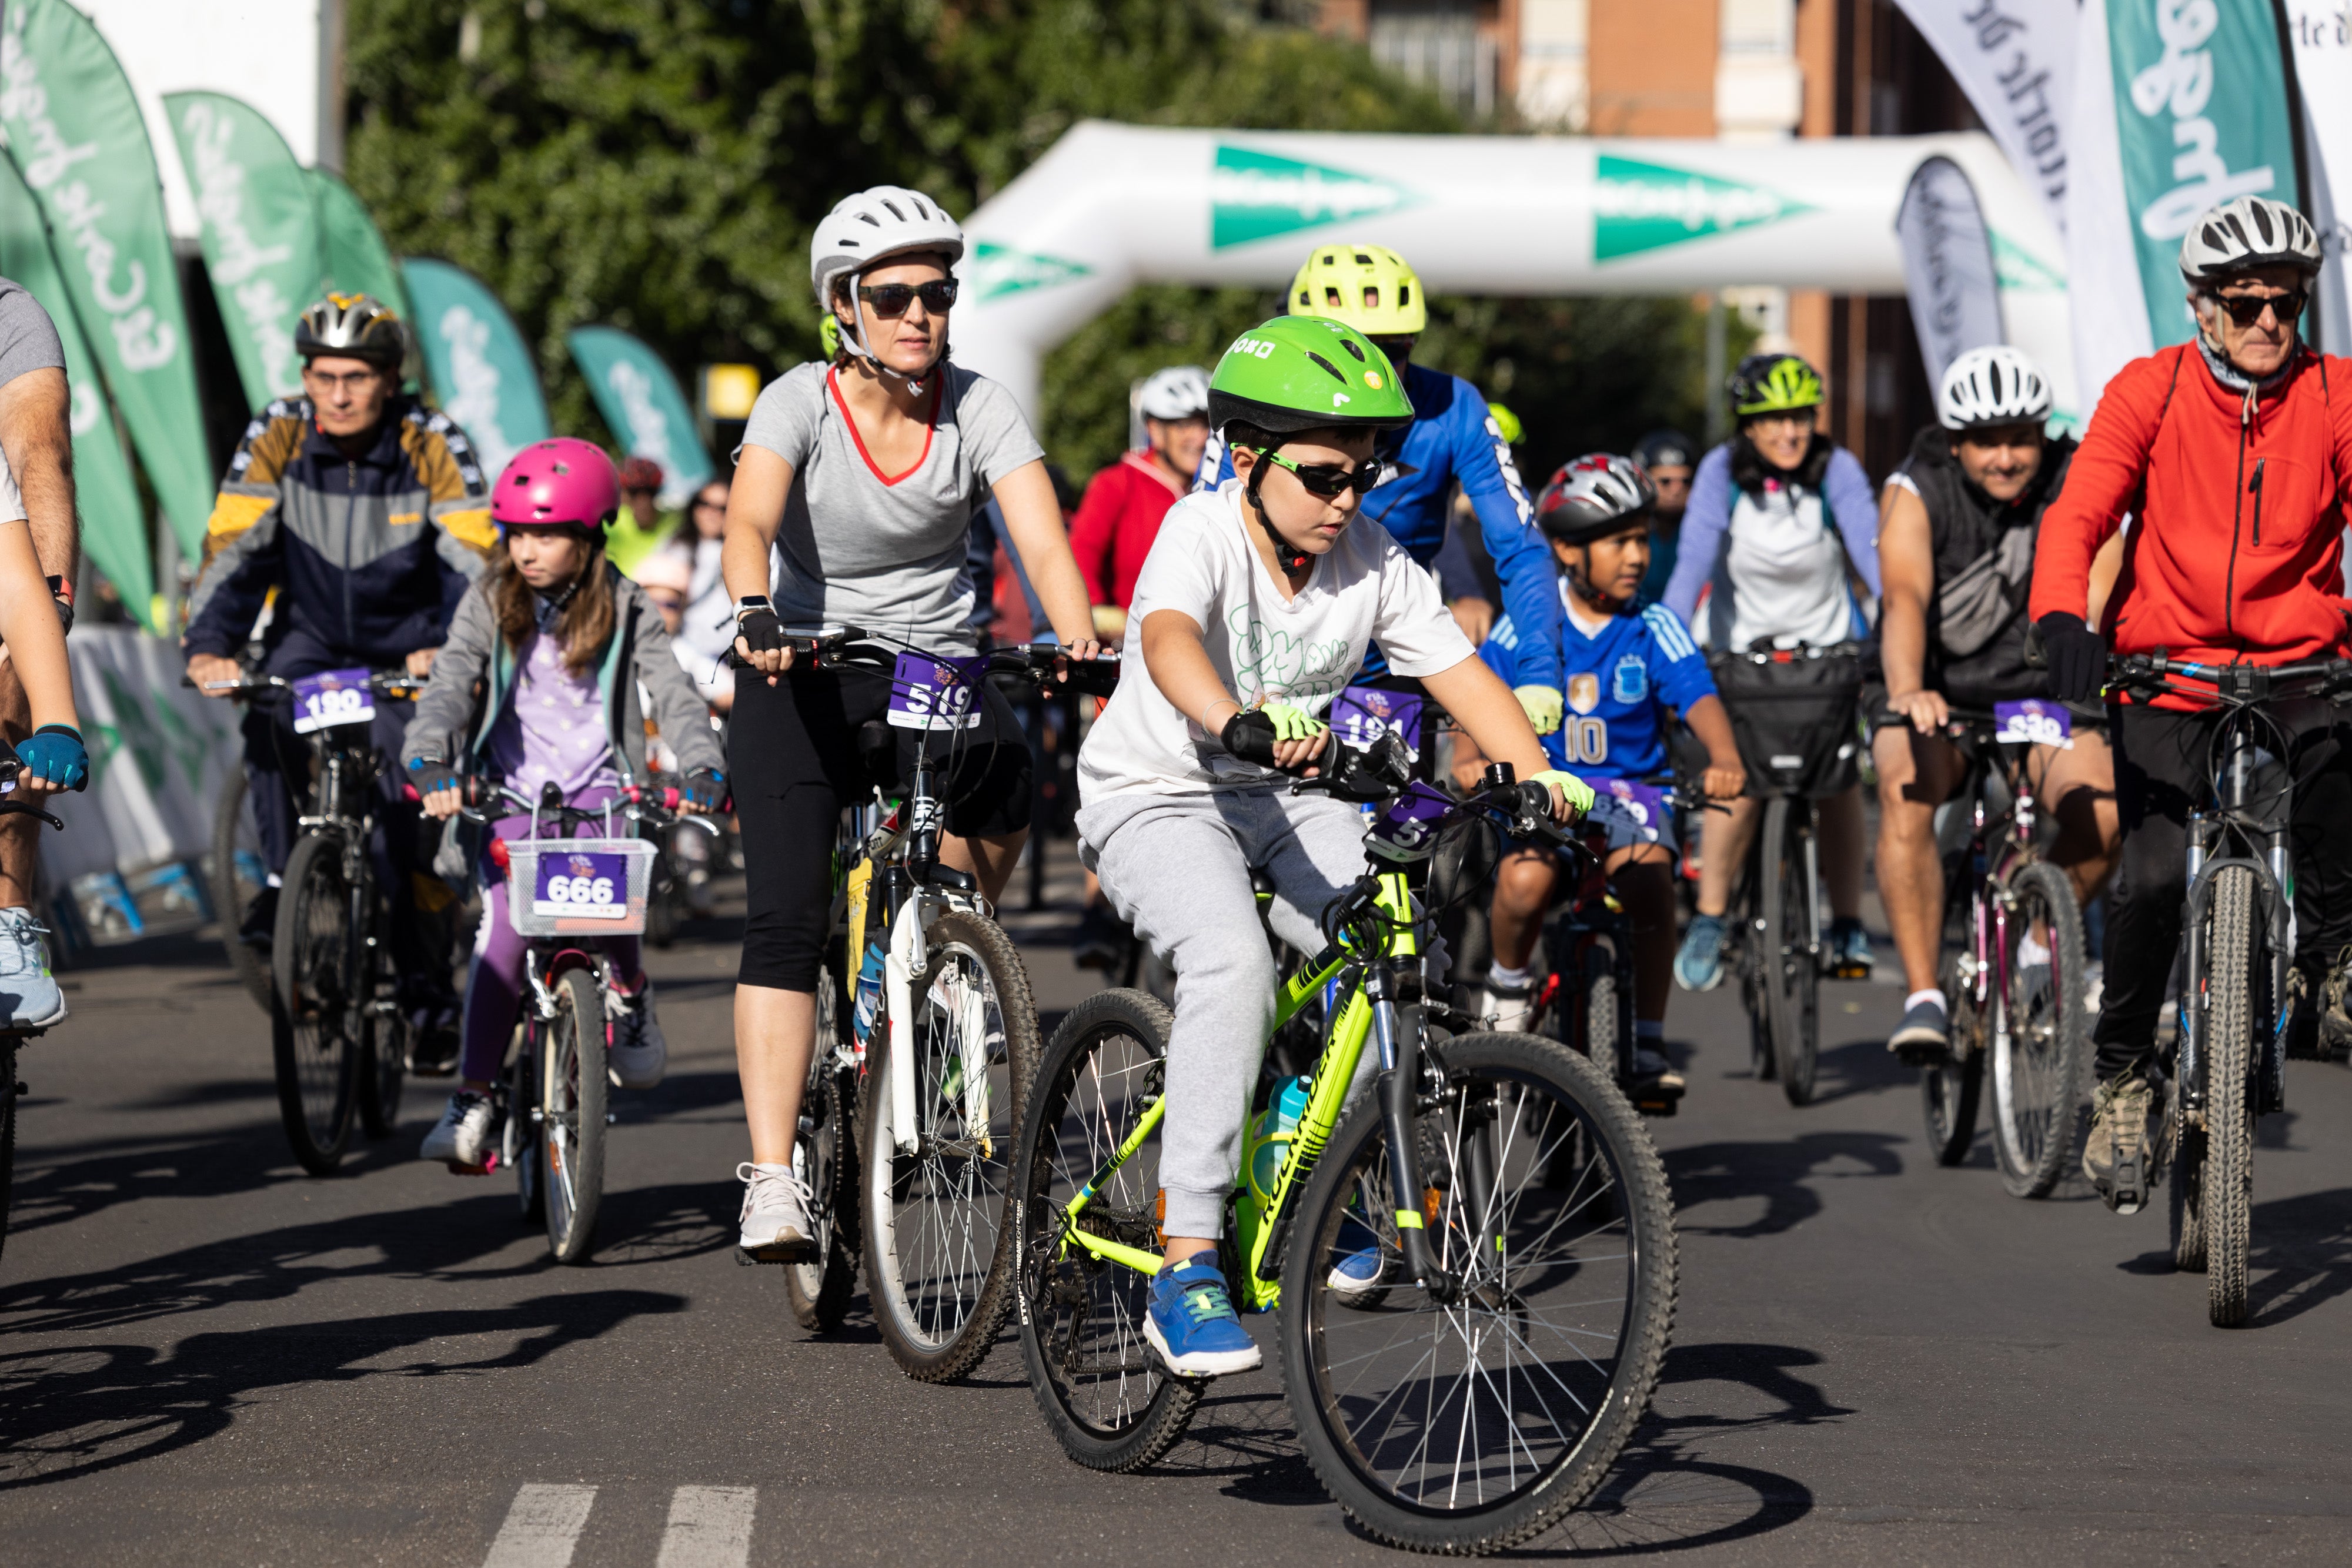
(1177, 868)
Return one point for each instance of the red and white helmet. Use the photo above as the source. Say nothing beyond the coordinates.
(1595, 496)
(563, 482)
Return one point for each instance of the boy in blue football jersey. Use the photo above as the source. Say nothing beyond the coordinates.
(1630, 666)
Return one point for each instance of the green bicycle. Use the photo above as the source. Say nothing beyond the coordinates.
(1474, 1385)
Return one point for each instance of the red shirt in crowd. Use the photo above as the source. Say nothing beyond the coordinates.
(1118, 521)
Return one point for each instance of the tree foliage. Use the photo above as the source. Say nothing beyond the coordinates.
(658, 164)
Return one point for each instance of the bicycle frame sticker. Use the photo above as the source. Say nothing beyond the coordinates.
(1407, 829)
(931, 690)
(332, 697)
(2034, 722)
(583, 886)
(1361, 715)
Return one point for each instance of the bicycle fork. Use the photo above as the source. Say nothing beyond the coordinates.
(1399, 1089)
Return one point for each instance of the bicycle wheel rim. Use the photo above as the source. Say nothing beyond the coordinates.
(944, 1204)
(1085, 1318)
(318, 1005)
(816, 1150)
(2033, 1058)
(1503, 1408)
(571, 1118)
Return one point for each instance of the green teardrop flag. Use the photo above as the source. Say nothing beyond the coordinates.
(357, 259)
(75, 131)
(260, 232)
(113, 524)
(641, 401)
(482, 369)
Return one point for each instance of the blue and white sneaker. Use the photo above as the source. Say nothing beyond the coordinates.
(29, 997)
(1699, 966)
(640, 1052)
(1359, 1274)
(1191, 1323)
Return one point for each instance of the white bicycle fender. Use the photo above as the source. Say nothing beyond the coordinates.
(898, 978)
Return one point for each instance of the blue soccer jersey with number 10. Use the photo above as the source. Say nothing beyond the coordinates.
(1621, 682)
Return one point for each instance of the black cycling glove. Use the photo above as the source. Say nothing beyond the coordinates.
(761, 632)
(703, 791)
(1250, 737)
(430, 774)
(2077, 657)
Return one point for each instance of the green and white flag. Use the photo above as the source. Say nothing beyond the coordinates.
(260, 231)
(113, 522)
(358, 262)
(75, 131)
(482, 369)
(641, 401)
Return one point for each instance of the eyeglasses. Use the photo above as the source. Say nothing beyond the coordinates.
(890, 300)
(1325, 479)
(2246, 309)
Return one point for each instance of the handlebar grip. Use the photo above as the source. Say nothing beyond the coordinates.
(1250, 737)
(1093, 678)
(670, 797)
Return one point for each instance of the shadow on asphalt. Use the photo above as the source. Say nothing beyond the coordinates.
(1777, 1171)
(1860, 1067)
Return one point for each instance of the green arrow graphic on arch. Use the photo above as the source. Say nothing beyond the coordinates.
(1257, 196)
(997, 271)
(1641, 206)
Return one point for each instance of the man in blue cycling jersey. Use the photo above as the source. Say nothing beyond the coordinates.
(1632, 668)
(1451, 439)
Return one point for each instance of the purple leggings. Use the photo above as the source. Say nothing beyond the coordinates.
(494, 980)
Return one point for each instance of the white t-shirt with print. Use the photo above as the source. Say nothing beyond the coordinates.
(1301, 650)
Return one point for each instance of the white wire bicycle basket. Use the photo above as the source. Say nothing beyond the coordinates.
(578, 887)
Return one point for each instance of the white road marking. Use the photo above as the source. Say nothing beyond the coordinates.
(542, 1527)
(710, 1526)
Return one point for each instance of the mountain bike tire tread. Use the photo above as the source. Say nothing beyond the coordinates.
(2040, 880)
(2228, 1184)
(317, 1150)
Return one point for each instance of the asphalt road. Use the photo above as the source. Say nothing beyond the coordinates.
(207, 1358)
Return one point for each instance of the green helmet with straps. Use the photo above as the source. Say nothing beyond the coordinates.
(1773, 383)
(1306, 372)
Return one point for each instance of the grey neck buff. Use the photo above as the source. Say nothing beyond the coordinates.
(2236, 380)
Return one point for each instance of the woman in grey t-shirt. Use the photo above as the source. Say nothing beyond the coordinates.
(861, 478)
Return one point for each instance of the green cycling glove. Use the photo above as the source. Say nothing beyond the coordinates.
(1543, 706)
(1292, 723)
(1579, 793)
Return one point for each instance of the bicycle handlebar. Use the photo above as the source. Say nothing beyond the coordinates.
(478, 793)
(254, 685)
(2235, 685)
(857, 648)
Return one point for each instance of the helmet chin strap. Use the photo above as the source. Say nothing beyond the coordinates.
(1288, 556)
(855, 336)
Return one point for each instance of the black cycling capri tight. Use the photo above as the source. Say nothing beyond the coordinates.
(794, 761)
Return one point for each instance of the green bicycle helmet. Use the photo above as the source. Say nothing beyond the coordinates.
(1306, 372)
(1773, 383)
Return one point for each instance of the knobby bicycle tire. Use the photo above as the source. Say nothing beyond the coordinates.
(1793, 970)
(2185, 1183)
(311, 1006)
(1515, 1242)
(1952, 1090)
(2234, 1020)
(2041, 1053)
(824, 1156)
(572, 1097)
(227, 891)
(938, 1275)
(1102, 1390)
(383, 1066)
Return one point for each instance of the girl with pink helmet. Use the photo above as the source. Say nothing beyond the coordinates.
(570, 659)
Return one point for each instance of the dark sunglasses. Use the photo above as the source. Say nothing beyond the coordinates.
(2246, 309)
(1327, 479)
(890, 300)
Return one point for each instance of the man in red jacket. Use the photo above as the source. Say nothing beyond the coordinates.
(1120, 515)
(2234, 453)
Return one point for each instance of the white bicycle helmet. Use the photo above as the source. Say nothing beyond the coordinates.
(2252, 231)
(1988, 386)
(1180, 391)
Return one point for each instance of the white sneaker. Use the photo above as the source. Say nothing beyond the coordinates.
(776, 1227)
(1511, 1009)
(639, 1054)
(29, 994)
(461, 1138)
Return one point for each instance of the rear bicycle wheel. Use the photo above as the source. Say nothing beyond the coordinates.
(520, 1138)
(937, 1246)
(314, 1002)
(1952, 1090)
(824, 1156)
(235, 877)
(384, 1059)
(2238, 1010)
(570, 1131)
(8, 1134)
(1791, 967)
(1471, 1424)
(1102, 1390)
(2040, 1049)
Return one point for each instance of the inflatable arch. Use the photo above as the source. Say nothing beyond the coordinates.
(1114, 205)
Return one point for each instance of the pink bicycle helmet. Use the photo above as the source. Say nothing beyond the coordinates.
(560, 483)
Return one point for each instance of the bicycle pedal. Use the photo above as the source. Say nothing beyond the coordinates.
(1654, 1104)
(1923, 1055)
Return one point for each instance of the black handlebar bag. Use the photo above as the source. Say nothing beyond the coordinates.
(1795, 713)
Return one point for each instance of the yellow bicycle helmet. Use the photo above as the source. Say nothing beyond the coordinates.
(1369, 286)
